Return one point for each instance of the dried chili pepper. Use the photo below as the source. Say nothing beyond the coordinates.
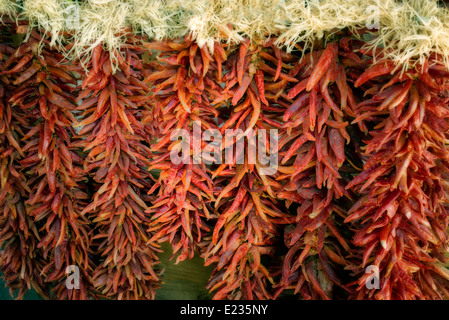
(52, 170)
(401, 215)
(249, 214)
(312, 149)
(20, 259)
(117, 156)
(91, 174)
(183, 89)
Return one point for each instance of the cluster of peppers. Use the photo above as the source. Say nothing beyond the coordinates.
(88, 176)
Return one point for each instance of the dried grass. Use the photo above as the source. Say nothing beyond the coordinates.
(310, 22)
(102, 22)
(411, 30)
(156, 19)
(233, 21)
(8, 8)
(53, 16)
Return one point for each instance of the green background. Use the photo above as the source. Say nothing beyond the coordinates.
(184, 281)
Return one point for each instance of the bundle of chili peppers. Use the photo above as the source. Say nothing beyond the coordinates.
(101, 163)
(18, 236)
(401, 215)
(43, 185)
(118, 153)
(181, 96)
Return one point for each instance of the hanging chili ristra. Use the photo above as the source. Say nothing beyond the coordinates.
(401, 215)
(183, 88)
(54, 173)
(20, 260)
(117, 156)
(312, 149)
(249, 214)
